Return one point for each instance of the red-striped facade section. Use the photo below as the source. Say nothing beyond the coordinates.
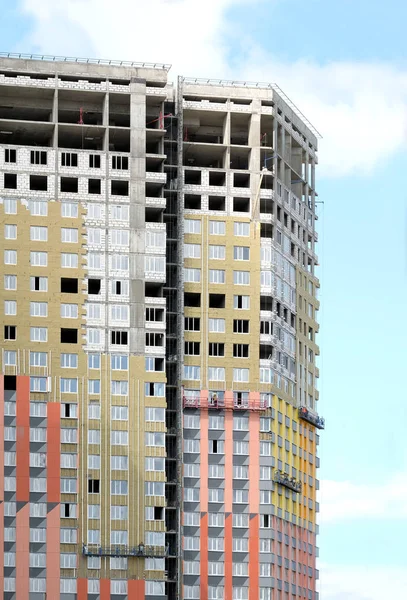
(53, 497)
(204, 446)
(23, 488)
(254, 498)
(228, 497)
(2, 482)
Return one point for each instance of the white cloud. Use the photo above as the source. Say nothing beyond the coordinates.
(342, 500)
(370, 582)
(360, 108)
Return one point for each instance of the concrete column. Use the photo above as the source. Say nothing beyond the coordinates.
(226, 138)
(54, 117)
(137, 214)
(254, 145)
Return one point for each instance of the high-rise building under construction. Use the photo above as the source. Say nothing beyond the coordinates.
(158, 399)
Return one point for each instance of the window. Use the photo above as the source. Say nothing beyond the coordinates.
(69, 159)
(217, 227)
(192, 275)
(10, 307)
(241, 375)
(191, 494)
(241, 448)
(265, 497)
(69, 260)
(192, 348)
(10, 155)
(241, 350)
(38, 259)
(119, 362)
(192, 251)
(216, 446)
(241, 253)
(216, 374)
(191, 567)
(216, 471)
(10, 257)
(241, 423)
(216, 325)
(69, 385)
(118, 513)
(38, 234)
(69, 336)
(216, 276)
(119, 463)
(94, 311)
(154, 488)
(69, 361)
(120, 388)
(241, 569)
(192, 324)
(119, 337)
(240, 544)
(154, 464)
(10, 358)
(38, 309)
(10, 232)
(241, 302)
(10, 206)
(94, 186)
(265, 473)
(94, 386)
(191, 470)
(265, 570)
(155, 414)
(216, 349)
(191, 446)
(119, 438)
(94, 161)
(154, 438)
(120, 163)
(192, 226)
(119, 413)
(69, 435)
(241, 228)
(215, 593)
(154, 389)
(38, 284)
(69, 209)
(241, 326)
(240, 593)
(38, 208)
(38, 334)
(69, 234)
(38, 384)
(241, 277)
(192, 372)
(240, 520)
(216, 495)
(69, 311)
(265, 448)
(216, 544)
(38, 359)
(119, 237)
(10, 181)
(10, 332)
(118, 487)
(217, 252)
(10, 282)
(38, 157)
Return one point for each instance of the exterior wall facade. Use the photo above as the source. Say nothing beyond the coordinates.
(158, 378)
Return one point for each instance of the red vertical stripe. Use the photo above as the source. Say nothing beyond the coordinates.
(53, 452)
(254, 499)
(204, 557)
(82, 589)
(228, 497)
(136, 589)
(23, 438)
(105, 589)
(204, 502)
(53, 552)
(228, 557)
(22, 550)
(1, 482)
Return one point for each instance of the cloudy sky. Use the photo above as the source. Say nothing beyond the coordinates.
(343, 62)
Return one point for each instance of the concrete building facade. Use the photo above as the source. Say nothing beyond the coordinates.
(158, 364)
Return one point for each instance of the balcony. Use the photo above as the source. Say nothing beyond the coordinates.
(308, 416)
(287, 481)
(215, 403)
(139, 551)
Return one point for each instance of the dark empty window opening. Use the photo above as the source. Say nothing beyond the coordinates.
(158, 364)
(217, 300)
(214, 446)
(94, 161)
(38, 157)
(192, 324)
(241, 205)
(266, 327)
(153, 290)
(10, 383)
(10, 181)
(39, 183)
(192, 202)
(192, 177)
(158, 513)
(69, 184)
(240, 326)
(10, 156)
(155, 314)
(191, 299)
(266, 303)
(217, 178)
(93, 486)
(69, 335)
(94, 286)
(94, 186)
(266, 230)
(10, 332)
(155, 339)
(217, 203)
(119, 337)
(68, 412)
(69, 159)
(66, 510)
(69, 285)
(266, 352)
(117, 287)
(120, 163)
(241, 180)
(119, 188)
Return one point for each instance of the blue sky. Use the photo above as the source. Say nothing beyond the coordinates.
(344, 63)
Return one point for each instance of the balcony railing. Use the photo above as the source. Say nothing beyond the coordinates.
(138, 551)
(215, 403)
(287, 481)
(306, 415)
